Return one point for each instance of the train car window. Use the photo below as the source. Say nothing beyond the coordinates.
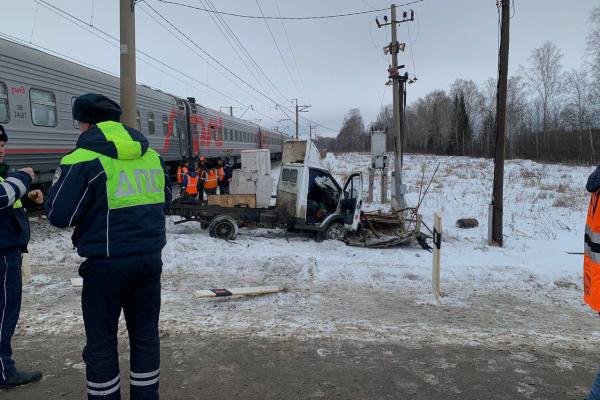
(165, 120)
(151, 130)
(43, 107)
(175, 132)
(235, 136)
(4, 112)
(139, 121)
(75, 122)
(226, 134)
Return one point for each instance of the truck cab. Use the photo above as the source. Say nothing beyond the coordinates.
(310, 198)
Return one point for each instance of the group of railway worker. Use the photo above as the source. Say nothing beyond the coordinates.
(195, 181)
(114, 190)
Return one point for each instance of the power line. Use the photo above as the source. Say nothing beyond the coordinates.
(84, 25)
(245, 51)
(412, 54)
(278, 48)
(193, 50)
(226, 68)
(284, 18)
(291, 50)
(235, 50)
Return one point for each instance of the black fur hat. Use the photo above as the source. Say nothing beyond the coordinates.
(94, 108)
(3, 135)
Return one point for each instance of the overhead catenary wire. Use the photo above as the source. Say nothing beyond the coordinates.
(285, 18)
(96, 32)
(275, 90)
(193, 50)
(193, 42)
(292, 51)
(287, 68)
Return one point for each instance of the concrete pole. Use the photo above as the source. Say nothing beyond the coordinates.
(128, 69)
(401, 204)
(384, 185)
(296, 118)
(371, 184)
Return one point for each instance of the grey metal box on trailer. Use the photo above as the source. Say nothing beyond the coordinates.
(257, 160)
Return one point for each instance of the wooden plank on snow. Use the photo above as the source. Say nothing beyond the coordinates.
(245, 291)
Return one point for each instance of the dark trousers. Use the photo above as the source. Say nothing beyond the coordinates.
(224, 189)
(10, 307)
(133, 285)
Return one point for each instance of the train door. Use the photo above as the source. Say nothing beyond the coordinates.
(181, 128)
(190, 115)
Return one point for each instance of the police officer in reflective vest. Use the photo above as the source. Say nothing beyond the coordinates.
(114, 189)
(14, 236)
(591, 258)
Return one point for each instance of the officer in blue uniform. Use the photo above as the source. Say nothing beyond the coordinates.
(113, 188)
(14, 236)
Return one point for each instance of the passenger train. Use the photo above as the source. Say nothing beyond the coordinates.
(37, 91)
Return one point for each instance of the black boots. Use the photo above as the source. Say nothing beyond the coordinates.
(19, 378)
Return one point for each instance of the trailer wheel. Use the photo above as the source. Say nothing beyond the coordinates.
(334, 231)
(223, 227)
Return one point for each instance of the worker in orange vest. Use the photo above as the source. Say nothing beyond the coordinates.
(189, 186)
(210, 179)
(182, 170)
(591, 259)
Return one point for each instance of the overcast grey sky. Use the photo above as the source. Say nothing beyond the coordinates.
(336, 64)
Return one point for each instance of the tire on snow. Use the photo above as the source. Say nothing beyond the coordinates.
(334, 231)
(223, 227)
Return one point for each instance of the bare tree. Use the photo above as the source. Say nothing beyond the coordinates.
(352, 136)
(593, 43)
(577, 112)
(516, 109)
(544, 80)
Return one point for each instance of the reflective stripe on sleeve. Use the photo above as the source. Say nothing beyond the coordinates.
(19, 184)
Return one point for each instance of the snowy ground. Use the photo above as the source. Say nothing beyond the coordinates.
(526, 294)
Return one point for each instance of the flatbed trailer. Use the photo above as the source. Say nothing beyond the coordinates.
(192, 210)
(376, 231)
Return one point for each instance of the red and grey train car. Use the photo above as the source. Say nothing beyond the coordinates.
(37, 91)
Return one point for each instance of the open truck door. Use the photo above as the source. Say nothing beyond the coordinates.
(351, 202)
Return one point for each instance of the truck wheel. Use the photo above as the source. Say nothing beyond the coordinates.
(223, 227)
(334, 231)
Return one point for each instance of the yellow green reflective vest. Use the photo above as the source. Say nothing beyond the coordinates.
(132, 179)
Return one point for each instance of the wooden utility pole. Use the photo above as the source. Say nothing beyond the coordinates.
(497, 197)
(128, 69)
(299, 109)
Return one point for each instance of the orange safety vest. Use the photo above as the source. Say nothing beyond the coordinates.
(181, 172)
(210, 179)
(591, 255)
(192, 185)
(221, 173)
